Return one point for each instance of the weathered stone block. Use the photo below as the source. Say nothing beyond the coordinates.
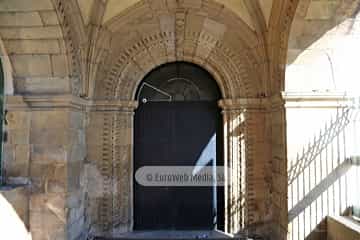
(49, 17)
(75, 230)
(25, 6)
(48, 178)
(77, 153)
(74, 200)
(48, 220)
(32, 47)
(50, 120)
(95, 139)
(47, 153)
(321, 10)
(9, 153)
(77, 137)
(18, 120)
(45, 202)
(18, 136)
(94, 153)
(19, 165)
(74, 170)
(31, 65)
(20, 19)
(42, 85)
(55, 136)
(59, 65)
(50, 32)
(77, 120)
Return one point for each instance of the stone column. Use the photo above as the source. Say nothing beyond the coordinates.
(279, 187)
(110, 166)
(234, 163)
(248, 157)
(45, 151)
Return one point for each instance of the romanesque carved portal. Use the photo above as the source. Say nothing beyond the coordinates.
(254, 198)
(111, 145)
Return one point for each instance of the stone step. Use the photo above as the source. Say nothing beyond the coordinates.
(199, 238)
(181, 235)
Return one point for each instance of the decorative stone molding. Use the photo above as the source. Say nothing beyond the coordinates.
(244, 103)
(112, 105)
(265, 103)
(318, 100)
(51, 102)
(245, 151)
(233, 60)
(44, 102)
(234, 77)
(75, 39)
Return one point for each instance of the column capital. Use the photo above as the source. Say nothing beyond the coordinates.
(66, 101)
(113, 105)
(277, 101)
(44, 102)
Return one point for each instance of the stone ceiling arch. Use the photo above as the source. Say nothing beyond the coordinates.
(138, 40)
(75, 39)
(41, 44)
(7, 70)
(311, 23)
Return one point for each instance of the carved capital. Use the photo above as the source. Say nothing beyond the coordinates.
(44, 102)
(113, 106)
(244, 104)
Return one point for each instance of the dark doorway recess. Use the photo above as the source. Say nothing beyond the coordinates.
(176, 122)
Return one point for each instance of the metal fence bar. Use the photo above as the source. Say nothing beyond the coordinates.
(318, 179)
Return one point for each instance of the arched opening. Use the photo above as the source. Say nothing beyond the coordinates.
(322, 95)
(178, 151)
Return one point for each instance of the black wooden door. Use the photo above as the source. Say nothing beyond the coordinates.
(174, 134)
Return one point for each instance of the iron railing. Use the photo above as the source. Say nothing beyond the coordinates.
(322, 177)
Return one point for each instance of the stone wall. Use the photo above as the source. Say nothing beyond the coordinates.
(321, 130)
(46, 151)
(109, 168)
(323, 47)
(342, 228)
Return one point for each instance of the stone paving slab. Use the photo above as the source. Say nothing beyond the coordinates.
(179, 235)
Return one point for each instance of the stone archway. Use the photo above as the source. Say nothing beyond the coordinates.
(7, 70)
(234, 59)
(244, 150)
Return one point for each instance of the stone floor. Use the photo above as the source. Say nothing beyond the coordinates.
(179, 235)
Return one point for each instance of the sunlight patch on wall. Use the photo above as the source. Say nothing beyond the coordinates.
(11, 226)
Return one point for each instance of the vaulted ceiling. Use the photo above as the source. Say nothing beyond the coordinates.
(115, 7)
(315, 18)
(75, 36)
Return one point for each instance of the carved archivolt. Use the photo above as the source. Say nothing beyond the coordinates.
(75, 40)
(142, 38)
(228, 68)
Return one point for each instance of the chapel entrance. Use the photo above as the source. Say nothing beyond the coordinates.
(177, 124)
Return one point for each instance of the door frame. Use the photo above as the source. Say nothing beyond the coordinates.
(220, 158)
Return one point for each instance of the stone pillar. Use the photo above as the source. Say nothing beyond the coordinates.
(110, 166)
(248, 156)
(234, 163)
(279, 187)
(45, 151)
